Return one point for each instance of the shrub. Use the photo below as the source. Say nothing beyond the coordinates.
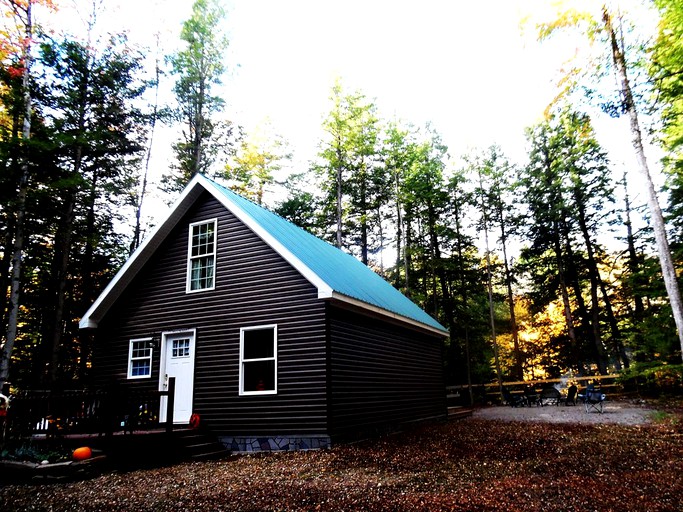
(653, 378)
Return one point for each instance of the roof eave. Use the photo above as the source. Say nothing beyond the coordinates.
(198, 184)
(390, 314)
(141, 255)
(324, 289)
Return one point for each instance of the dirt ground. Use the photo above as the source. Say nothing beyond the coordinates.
(621, 412)
(485, 462)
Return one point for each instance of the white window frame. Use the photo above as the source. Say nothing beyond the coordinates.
(190, 258)
(273, 391)
(131, 344)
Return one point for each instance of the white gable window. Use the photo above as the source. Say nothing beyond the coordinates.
(201, 259)
(258, 360)
(140, 358)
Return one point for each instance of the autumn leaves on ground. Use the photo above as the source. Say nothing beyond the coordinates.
(462, 465)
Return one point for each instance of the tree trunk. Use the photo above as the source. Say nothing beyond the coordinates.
(587, 324)
(665, 260)
(62, 258)
(633, 258)
(338, 182)
(15, 287)
(199, 129)
(399, 228)
(446, 301)
(380, 233)
(363, 220)
(63, 240)
(407, 255)
(594, 277)
(619, 349)
(10, 224)
(569, 319)
(519, 371)
(143, 188)
(87, 286)
(489, 286)
(462, 284)
(5, 266)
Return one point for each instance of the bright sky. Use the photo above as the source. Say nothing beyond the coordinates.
(464, 66)
(459, 65)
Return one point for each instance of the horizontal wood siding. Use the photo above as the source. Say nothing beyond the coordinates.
(381, 375)
(254, 286)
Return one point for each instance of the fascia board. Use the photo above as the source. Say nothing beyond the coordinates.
(136, 261)
(140, 256)
(325, 291)
(380, 311)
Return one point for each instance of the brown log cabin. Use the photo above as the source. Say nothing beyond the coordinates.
(277, 340)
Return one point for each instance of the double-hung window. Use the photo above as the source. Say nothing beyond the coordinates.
(140, 358)
(201, 260)
(258, 360)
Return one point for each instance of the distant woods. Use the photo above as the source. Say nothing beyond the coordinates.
(537, 268)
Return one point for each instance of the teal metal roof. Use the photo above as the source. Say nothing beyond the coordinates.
(343, 273)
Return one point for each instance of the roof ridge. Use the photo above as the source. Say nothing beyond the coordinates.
(359, 283)
(266, 208)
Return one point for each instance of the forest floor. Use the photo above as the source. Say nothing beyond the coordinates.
(523, 459)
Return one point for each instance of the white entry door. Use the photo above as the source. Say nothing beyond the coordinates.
(177, 360)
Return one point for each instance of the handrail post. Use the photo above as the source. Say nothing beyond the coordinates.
(170, 403)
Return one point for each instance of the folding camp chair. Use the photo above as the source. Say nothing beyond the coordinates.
(593, 399)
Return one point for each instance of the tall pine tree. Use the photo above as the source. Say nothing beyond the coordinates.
(198, 68)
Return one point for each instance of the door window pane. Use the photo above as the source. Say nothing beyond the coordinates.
(181, 348)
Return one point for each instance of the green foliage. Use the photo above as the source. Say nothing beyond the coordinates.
(86, 143)
(567, 189)
(300, 207)
(36, 452)
(259, 159)
(353, 184)
(665, 69)
(385, 192)
(199, 68)
(653, 378)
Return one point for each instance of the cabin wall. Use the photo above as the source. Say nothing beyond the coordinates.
(382, 375)
(254, 286)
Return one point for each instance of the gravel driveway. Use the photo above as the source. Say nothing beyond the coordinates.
(619, 412)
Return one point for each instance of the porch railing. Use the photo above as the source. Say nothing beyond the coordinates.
(36, 412)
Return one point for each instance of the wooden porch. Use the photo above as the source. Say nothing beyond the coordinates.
(121, 424)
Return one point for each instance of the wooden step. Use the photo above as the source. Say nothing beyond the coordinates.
(200, 444)
(458, 412)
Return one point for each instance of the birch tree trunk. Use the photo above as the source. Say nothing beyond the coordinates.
(664, 253)
(143, 188)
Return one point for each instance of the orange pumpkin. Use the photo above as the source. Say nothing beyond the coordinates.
(82, 453)
(194, 421)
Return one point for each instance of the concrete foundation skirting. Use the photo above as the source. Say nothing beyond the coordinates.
(275, 444)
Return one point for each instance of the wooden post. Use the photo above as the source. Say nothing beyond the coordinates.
(170, 402)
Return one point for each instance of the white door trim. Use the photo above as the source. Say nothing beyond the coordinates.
(163, 382)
